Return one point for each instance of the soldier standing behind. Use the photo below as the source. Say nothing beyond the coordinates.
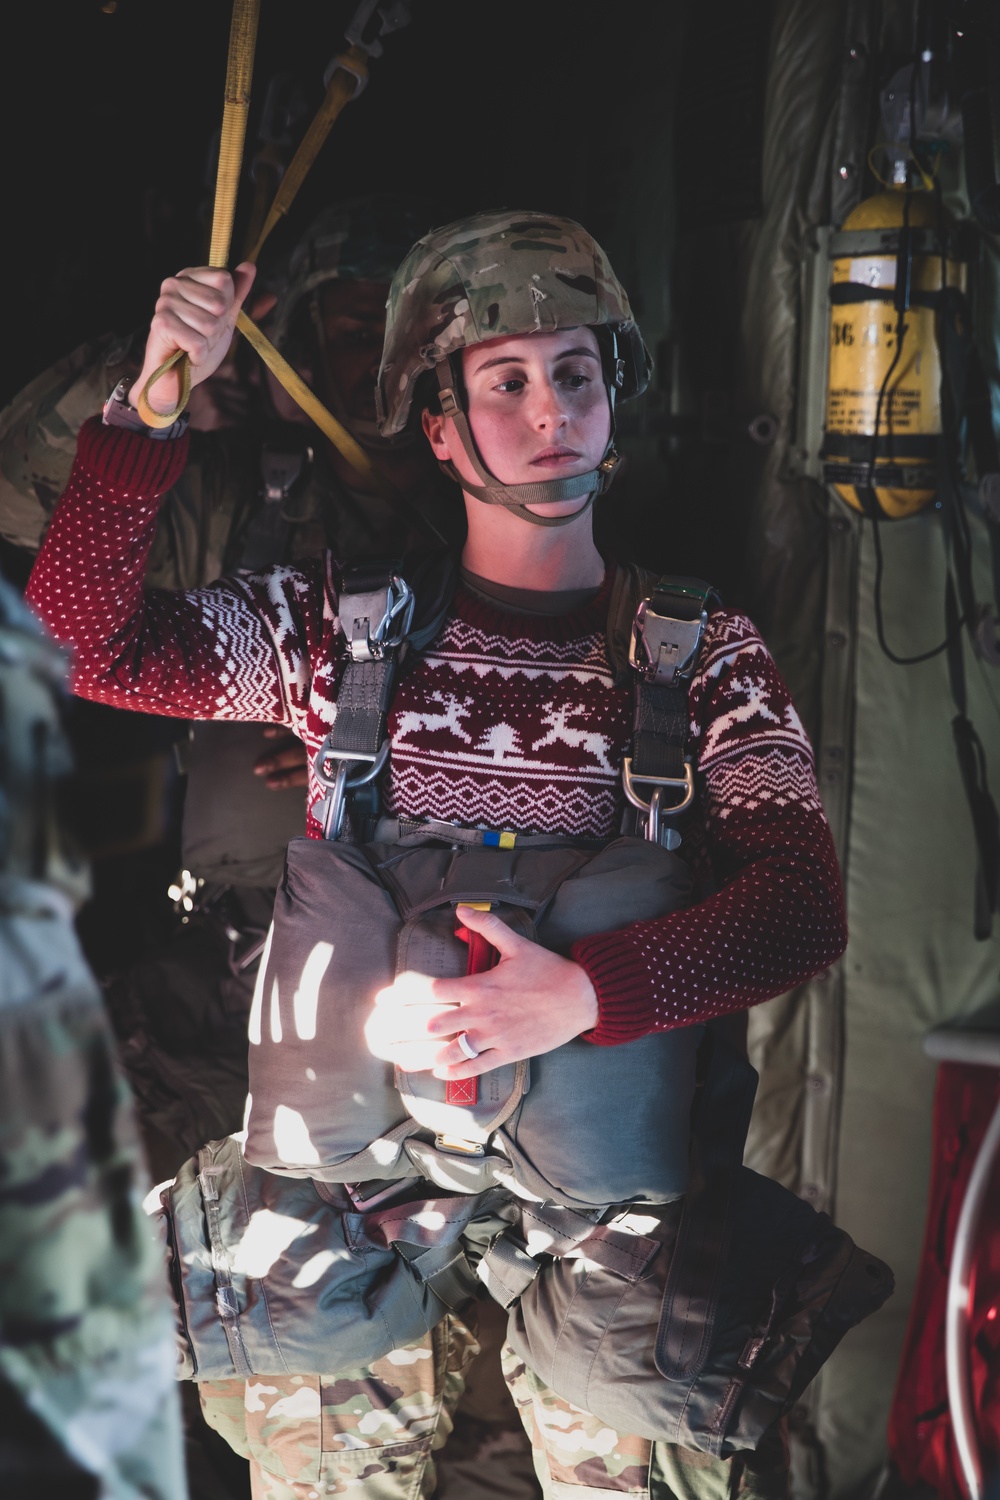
(88, 1401)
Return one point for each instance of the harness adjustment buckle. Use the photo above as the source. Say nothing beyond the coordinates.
(664, 649)
(330, 811)
(655, 832)
(391, 606)
(454, 1146)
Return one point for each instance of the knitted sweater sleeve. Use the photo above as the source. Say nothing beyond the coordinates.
(778, 916)
(239, 649)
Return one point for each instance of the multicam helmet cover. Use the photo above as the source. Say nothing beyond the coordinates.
(493, 275)
(362, 239)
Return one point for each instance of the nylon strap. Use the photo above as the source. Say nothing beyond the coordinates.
(226, 1301)
(344, 442)
(660, 728)
(860, 446)
(963, 387)
(720, 1121)
(239, 72)
(856, 291)
(349, 77)
(359, 731)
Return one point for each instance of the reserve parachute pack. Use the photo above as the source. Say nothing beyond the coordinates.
(598, 1193)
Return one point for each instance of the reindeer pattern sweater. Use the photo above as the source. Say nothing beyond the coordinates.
(507, 720)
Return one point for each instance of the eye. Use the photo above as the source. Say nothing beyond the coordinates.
(511, 386)
(577, 380)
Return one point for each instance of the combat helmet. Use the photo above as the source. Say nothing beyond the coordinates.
(489, 276)
(361, 239)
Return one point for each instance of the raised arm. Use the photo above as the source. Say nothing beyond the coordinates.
(209, 653)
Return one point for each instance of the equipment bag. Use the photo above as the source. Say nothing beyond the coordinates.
(731, 1303)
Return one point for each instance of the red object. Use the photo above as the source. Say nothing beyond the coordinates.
(921, 1443)
(482, 956)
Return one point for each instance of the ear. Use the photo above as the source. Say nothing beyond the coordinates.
(433, 424)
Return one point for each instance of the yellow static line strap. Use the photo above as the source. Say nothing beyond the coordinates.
(239, 72)
(478, 905)
(348, 79)
(342, 440)
(313, 407)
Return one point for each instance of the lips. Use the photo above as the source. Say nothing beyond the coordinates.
(556, 456)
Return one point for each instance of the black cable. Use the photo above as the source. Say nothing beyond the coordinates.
(869, 502)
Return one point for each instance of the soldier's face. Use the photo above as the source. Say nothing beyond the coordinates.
(353, 315)
(538, 409)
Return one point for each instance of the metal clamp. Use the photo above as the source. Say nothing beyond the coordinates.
(393, 605)
(341, 782)
(390, 15)
(663, 648)
(653, 810)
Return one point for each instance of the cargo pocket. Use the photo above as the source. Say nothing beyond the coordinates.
(576, 1455)
(314, 1435)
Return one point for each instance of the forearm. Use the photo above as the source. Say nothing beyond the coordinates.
(153, 650)
(778, 922)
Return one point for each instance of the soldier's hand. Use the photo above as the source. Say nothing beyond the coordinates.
(196, 311)
(533, 1001)
(287, 764)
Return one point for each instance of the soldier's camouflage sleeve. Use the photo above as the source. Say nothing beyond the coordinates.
(38, 432)
(198, 519)
(87, 1353)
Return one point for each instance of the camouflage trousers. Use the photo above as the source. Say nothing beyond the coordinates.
(371, 1433)
(578, 1457)
(366, 1433)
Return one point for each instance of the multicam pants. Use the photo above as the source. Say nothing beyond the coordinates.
(367, 1433)
(578, 1457)
(370, 1434)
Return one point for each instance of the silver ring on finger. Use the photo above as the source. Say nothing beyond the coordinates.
(468, 1049)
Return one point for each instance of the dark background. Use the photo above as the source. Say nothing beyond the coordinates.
(108, 120)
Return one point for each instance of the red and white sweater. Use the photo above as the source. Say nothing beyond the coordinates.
(507, 720)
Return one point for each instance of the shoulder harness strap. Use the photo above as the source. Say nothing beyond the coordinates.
(382, 617)
(663, 650)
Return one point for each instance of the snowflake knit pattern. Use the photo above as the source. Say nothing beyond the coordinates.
(507, 720)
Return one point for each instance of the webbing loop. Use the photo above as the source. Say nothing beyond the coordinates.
(239, 72)
(350, 74)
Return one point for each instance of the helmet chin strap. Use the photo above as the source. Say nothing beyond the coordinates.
(517, 497)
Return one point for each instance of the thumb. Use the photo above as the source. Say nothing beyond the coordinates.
(493, 928)
(243, 280)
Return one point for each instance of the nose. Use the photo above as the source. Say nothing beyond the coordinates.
(548, 408)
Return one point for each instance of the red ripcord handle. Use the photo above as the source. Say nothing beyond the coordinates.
(482, 957)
